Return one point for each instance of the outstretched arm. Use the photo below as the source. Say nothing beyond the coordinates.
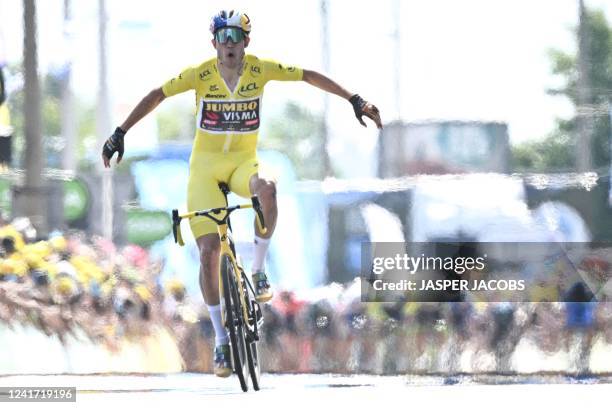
(144, 107)
(115, 142)
(360, 106)
(322, 82)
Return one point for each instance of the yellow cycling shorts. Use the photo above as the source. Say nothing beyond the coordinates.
(206, 171)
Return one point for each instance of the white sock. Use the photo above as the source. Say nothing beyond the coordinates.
(221, 336)
(261, 248)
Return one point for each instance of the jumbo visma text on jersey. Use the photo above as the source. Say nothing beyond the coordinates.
(229, 116)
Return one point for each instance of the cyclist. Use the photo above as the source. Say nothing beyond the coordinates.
(229, 91)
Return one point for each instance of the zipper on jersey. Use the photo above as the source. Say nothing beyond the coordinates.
(228, 142)
(228, 137)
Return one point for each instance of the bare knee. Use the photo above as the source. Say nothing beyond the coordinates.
(266, 191)
(209, 250)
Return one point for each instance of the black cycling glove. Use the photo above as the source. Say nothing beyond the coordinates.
(358, 105)
(114, 144)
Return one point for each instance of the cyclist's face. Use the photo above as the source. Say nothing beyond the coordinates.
(231, 53)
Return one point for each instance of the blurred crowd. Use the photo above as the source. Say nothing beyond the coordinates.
(394, 338)
(333, 331)
(70, 281)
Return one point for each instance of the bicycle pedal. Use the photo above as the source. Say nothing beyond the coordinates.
(258, 314)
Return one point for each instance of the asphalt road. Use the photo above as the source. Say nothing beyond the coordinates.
(313, 390)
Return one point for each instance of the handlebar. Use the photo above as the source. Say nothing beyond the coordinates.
(176, 228)
(212, 213)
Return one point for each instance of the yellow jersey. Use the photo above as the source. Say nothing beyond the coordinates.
(226, 120)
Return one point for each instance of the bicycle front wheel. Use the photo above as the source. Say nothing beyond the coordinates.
(234, 321)
(253, 360)
(252, 337)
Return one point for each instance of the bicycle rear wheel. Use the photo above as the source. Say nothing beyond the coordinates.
(233, 320)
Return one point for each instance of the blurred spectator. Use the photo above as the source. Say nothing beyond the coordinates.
(6, 130)
(460, 319)
(580, 322)
(502, 338)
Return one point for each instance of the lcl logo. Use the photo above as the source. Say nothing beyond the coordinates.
(250, 87)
